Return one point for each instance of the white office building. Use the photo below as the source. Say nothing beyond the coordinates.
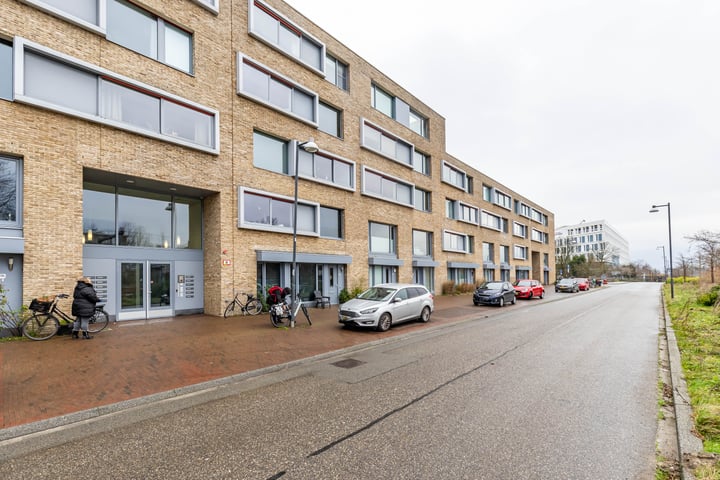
(597, 240)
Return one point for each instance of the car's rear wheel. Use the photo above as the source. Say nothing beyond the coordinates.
(542, 294)
(384, 323)
(501, 303)
(425, 315)
(512, 302)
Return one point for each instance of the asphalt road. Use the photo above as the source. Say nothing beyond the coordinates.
(565, 389)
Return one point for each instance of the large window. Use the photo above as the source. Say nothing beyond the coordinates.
(6, 71)
(336, 72)
(73, 87)
(455, 177)
(488, 250)
(489, 220)
(383, 238)
(395, 108)
(387, 188)
(140, 219)
(266, 211)
(259, 83)
(456, 242)
(538, 236)
(519, 230)
(10, 185)
(520, 252)
(386, 144)
(145, 33)
(326, 168)
(276, 30)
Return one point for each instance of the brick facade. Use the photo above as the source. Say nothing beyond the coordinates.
(56, 149)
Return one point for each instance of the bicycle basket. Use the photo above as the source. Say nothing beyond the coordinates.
(40, 306)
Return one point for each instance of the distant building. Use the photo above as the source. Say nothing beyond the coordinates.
(597, 240)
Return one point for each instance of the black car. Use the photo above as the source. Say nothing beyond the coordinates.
(494, 293)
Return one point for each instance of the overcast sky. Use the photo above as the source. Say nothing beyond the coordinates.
(592, 109)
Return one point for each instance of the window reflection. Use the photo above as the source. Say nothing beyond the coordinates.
(143, 219)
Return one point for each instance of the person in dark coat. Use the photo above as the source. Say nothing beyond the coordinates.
(83, 306)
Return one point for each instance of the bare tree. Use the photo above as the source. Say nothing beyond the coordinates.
(708, 245)
(684, 264)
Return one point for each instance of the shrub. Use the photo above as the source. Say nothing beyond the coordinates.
(710, 298)
(448, 288)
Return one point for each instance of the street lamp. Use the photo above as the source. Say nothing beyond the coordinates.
(654, 209)
(311, 147)
(664, 259)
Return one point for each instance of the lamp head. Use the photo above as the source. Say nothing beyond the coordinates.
(310, 146)
(654, 210)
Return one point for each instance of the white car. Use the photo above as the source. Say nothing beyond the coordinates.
(387, 304)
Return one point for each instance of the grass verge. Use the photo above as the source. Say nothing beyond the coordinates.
(697, 328)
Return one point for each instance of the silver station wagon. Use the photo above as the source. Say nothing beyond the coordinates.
(387, 304)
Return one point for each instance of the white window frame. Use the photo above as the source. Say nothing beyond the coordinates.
(292, 26)
(502, 199)
(461, 173)
(21, 45)
(242, 223)
(389, 178)
(337, 62)
(538, 236)
(364, 123)
(520, 227)
(520, 248)
(449, 234)
(333, 158)
(242, 59)
(485, 214)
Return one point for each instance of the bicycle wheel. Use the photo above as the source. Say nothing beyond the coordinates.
(229, 310)
(40, 326)
(98, 321)
(254, 306)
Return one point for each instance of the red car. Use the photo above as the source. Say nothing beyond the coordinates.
(583, 284)
(529, 289)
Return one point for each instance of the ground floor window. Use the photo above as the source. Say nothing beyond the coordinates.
(462, 275)
(382, 274)
(489, 274)
(505, 275)
(424, 276)
(522, 274)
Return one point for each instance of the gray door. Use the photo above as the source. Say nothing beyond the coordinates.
(145, 288)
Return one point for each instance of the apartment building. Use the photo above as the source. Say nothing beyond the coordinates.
(159, 147)
(596, 240)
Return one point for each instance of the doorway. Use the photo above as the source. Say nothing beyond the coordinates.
(145, 288)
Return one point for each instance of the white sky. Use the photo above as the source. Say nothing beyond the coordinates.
(594, 109)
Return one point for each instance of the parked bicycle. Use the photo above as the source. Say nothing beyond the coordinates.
(282, 316)
(251, 306)
(47, 318)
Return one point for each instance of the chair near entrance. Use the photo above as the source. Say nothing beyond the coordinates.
(320, 299)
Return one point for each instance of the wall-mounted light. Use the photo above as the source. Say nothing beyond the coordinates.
(165, 244)
(11, 263)
(89, 235)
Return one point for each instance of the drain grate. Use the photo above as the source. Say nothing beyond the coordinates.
(348, 363)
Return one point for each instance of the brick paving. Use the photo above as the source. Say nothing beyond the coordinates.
(129, 360)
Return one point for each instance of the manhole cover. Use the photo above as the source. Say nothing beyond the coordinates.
(348, 363)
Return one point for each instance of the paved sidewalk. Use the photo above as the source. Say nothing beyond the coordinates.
(129, 360)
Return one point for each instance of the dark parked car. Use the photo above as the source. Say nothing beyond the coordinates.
(494, 293)
(529, 289)
(567, 285)
(384, 305)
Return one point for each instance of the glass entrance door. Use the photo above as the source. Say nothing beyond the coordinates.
(145, 288)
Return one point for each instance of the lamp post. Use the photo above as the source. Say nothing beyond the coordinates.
(664, 259)
(654, 209)
(311, 147)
